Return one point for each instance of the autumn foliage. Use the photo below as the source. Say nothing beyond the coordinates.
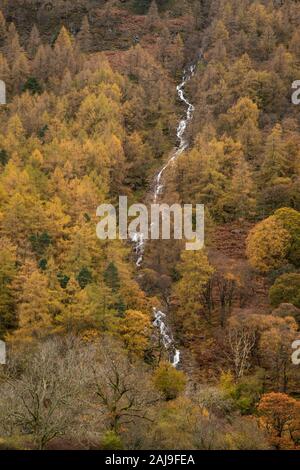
(91, 114)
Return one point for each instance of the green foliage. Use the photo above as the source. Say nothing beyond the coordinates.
(169, 381)
(111, 441)
(63, 280)
(84, 277)
(40, 242)
(245, 392)
(275, 241)
(13, 443)
(286, 289)
(3, 157)
(290, 221)
(7, 275)
(268, 245)
(33, 86)
(170, 430)
(43, 264)
(42, 131)
(142, 6)
(111, 277)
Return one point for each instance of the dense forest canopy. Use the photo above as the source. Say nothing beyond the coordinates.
(91, 114)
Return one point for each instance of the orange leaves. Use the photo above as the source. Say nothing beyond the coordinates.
(281, 415)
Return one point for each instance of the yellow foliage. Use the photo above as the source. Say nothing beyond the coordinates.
(268, 245)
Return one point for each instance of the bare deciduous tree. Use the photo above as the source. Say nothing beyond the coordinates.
(42, 400)
(241, 341)
(121, 387)
(226, 286)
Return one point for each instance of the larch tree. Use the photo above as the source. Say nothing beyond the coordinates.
(153, 18)
(267, 42)
(42, 65)
(176, 56)
(164, 44)
(138, 155)
(243, 120)
(4, 71)
(239, 200)
(8, 258)
(83, 38)
(3, 31)
(20, 71)
(65, 54)
(295, 44)
(34, 42)
(12, 44)
(194, 271)
(275, 156)
(135, 330)
(36, 308)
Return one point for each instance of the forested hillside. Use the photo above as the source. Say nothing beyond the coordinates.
(91, 114)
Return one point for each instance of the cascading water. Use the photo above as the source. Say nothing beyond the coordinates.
(183, 144)
(139, 238)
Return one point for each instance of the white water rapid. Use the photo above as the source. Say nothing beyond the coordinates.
(139, 238)
(183, 144)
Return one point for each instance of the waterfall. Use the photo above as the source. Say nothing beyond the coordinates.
(139, 239)
(182, 126)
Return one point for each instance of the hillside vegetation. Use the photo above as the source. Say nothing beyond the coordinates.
(92, 114)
